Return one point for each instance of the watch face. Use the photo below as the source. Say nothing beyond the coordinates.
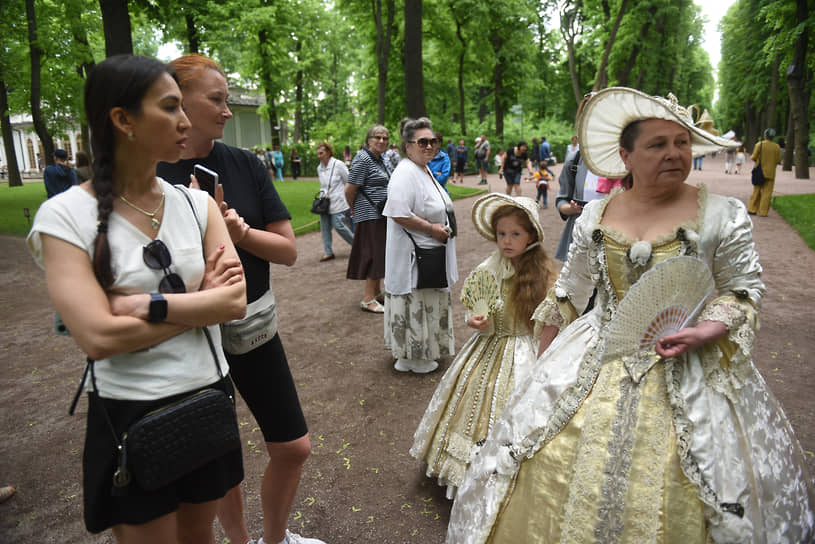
(158, 308)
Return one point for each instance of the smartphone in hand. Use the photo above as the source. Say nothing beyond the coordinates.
(207, 179)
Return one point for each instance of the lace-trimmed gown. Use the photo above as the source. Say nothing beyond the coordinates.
(697, 451)
(475, 388)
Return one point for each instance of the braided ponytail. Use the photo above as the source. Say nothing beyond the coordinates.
(119, 81)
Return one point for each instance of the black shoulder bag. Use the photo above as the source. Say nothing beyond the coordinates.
(432, 264)
(322, 204)
(757, 175)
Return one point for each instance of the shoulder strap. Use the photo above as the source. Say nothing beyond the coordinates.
(573, 172)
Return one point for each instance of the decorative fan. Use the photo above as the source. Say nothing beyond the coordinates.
(664, 300)
(481, 292)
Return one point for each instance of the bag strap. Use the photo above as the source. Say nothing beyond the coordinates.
(330, 177)
(573, 166)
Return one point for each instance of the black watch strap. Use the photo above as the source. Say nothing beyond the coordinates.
(157, 311)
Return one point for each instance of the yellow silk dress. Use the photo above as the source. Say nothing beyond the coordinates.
(614, 467)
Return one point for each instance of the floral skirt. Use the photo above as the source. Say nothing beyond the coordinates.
(419, 325)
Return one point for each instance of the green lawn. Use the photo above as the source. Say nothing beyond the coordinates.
(297, 195)
(13, 201)
(799, 212)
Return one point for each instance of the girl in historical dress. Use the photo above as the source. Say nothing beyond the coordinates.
(694, 447)
(473, 391)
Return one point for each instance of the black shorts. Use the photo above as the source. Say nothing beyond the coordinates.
(460, 167)
(133, 505)
(264, 380)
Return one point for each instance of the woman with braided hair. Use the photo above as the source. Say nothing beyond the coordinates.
(123, 258)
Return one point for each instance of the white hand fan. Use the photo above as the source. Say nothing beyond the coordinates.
(481, 292)
(664, 300)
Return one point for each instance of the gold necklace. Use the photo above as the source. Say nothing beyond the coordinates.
(155, 223)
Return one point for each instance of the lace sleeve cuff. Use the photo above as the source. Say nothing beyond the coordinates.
(731, 354)
(553, 310)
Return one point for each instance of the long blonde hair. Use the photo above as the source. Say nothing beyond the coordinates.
(534, 274)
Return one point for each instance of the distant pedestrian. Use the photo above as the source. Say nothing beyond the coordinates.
(277, 162)
(739, 159)
(768, 154)
(451, 150)
(294, 159)
(462, 154)
(59, 177)
(440, 164)
(534, 153)
(514, 163)
(482, 158)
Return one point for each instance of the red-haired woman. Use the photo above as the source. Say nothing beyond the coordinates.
(260, 227)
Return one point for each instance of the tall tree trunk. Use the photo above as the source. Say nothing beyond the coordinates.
(14, 178)
(772, 100)
(789, 145)
(483, 93)
(35, 55)
(335, 84)
(570, 28)
(498, 86)
(83, 69)
(383, 48)
(266, 77)
(751, 130)
(796, 83)
(601, 79)
(193, 40)
(461, 55)
(116, 22)
(414, 79)
(298, 95)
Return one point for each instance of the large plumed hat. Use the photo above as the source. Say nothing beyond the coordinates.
(606, 113)
(486, 206)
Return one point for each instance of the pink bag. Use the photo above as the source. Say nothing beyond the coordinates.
(605, 185)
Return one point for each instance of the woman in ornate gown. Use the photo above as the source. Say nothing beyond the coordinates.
(696, 448)
(497, 356)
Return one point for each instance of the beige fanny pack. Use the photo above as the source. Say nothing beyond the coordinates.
(258, 327)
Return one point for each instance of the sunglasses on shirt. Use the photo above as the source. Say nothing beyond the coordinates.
(157, 257)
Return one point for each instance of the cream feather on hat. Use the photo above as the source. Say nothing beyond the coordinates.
(487, 205)
(606, 113)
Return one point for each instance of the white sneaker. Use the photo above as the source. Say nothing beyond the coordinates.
(294, 538)
(423, 366)
(402, 365)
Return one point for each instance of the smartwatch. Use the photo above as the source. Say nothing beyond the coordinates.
(158, 308)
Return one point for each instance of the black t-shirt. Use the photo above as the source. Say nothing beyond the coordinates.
(247, 189)
(513, 162)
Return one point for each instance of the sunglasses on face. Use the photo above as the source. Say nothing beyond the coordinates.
(157, 257)
(381, 138)
(425, 142)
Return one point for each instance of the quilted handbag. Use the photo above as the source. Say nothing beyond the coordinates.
(177, 439)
